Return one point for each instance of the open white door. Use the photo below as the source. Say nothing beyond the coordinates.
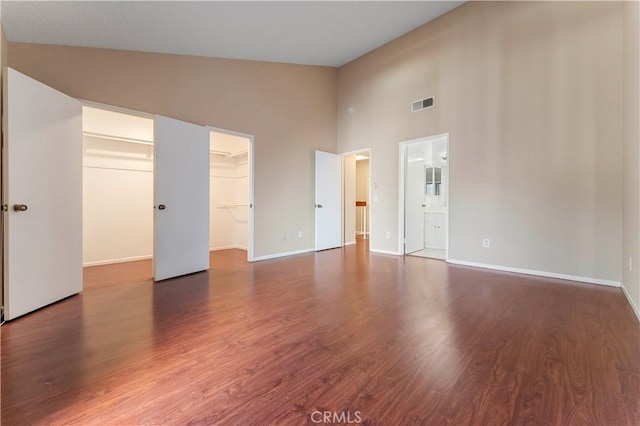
(413, 209)
(181, 197)
(328, 200)
(43, 194)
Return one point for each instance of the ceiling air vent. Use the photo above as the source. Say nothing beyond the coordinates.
(422, 104)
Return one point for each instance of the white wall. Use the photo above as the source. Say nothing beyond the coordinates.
(118, 202)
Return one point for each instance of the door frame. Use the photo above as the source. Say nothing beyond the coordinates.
(402, 159)
(370, 219)
(251, 171)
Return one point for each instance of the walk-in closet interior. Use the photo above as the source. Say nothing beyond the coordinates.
(229, 186)
(117, 187)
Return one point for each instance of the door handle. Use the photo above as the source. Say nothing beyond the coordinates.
(19, 207)
(319, 206)
(162, 207)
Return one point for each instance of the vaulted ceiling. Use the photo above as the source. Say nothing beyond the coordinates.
(329, 33)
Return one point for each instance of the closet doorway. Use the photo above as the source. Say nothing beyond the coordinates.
(230, 188)
(117, 176)
(357, 172)
(118, 187)
(424, 189)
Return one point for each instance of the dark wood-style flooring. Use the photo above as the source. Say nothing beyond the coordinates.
(387, 340)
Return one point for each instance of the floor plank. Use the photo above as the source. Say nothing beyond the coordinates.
(397, 340)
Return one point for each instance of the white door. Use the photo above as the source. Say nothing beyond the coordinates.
(181, 197)
(413, 209)
(328, 200)
(43, 193)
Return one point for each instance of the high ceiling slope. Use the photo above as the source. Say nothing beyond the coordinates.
(329, 33)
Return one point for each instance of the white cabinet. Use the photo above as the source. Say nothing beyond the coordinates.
(435, 230)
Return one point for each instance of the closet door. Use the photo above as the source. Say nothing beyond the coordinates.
(181, 197)
(42, 194)
(328, 200)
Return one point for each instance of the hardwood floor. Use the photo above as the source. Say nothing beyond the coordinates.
(362, 336)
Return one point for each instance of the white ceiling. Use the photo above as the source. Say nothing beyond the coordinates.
(329, 33)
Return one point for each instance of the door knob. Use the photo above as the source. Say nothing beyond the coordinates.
(319, 206)
(162, 207)
(19, 207)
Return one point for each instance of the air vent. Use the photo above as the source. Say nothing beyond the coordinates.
(422, 104)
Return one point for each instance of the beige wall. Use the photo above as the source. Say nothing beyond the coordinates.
(531, 96)
(631, 234)
(349, 199)
(290, 109)
(362, 193)
(362, 177)
(3, 63)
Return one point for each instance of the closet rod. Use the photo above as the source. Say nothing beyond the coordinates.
(117, 138)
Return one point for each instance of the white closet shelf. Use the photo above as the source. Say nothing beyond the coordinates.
(228, 154)
(231, 205)
(117, 138)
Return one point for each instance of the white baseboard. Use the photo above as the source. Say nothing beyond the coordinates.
(349, 243)
(394, 253)
(277, 255)
(631, 302)
(588, 280)
(227, 248)
(112, 261)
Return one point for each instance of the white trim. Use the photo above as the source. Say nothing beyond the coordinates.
(630, 300)
(350, 243)
(277, 255)
(588, 280)
(393, 253)
(238, 247)
(112, 261)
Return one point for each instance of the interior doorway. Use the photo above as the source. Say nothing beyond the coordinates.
(230, 185)
(424, 189)
(356, 181)
(117, 175)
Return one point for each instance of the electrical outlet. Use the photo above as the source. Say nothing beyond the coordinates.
(300, 234)
(388, 235)
(486, 243)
